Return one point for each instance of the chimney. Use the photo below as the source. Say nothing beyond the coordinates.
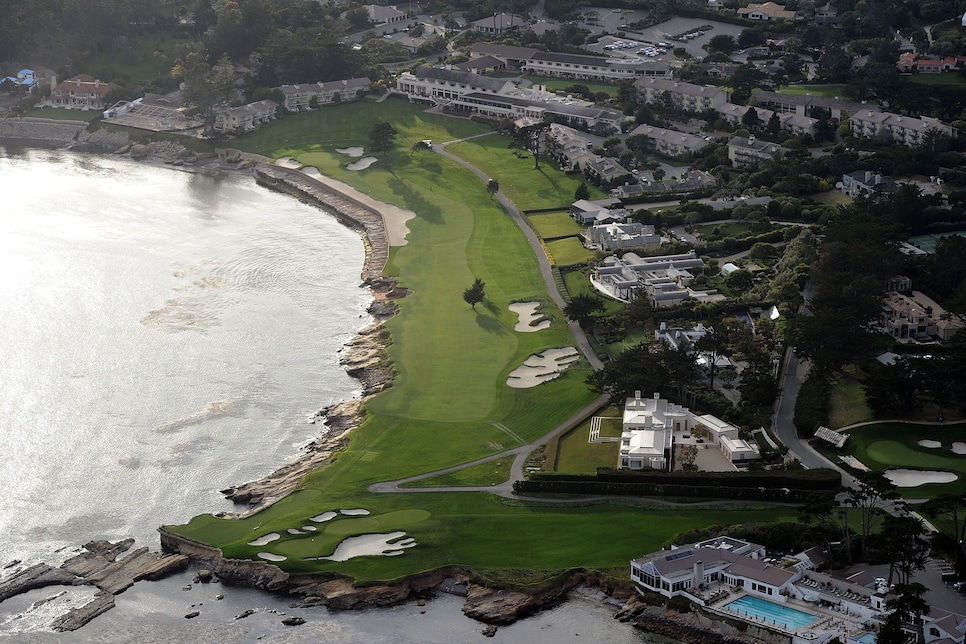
(751, 138)
(657, 395)
(637, 394)
(698, 574)
(663, 326)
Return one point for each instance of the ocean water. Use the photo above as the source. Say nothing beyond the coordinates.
(164, 335)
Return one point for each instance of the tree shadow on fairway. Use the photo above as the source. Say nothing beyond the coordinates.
(489, 324)
(415, 201)
(431, 166)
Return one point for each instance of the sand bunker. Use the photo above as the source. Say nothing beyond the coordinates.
(529, 320)
(361, 164)
(267, 539)
(310, 528)
(351, 152)
(959, 448)
(271, 557)
(929, 444)
(394, 217)
(371, 544)
(357, 512)
(913, 478)
(288, 162)
(541, 367)
(325, 516)
(295, 531)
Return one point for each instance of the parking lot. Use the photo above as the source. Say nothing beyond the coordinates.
(677, 26)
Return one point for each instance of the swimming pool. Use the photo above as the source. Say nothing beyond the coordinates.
(770, 612)
(868, 638)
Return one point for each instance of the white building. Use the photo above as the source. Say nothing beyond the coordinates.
(299, 98)
(684, 96)
(620, 236)
(905, 130)
(732, 562)
(664, 279)
(651, 424)
(578, 66)
(750, 151)
(245, 118)
(671, 143)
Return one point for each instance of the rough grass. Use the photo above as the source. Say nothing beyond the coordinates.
(848, 405)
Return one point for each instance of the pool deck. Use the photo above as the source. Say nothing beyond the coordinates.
(830, 620)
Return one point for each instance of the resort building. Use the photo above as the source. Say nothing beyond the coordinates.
(498, 23)
(384, 15)
(511, 56)
(560, 65)
(679, 338)
(803, 105)
(245, 118)
(299, 98)
(686, 569)
(684, 96)
(606, 171)
(767, 11)
(905, 130)
(568, 147)
(25, 78)
(81, 93)
(450, 84)
(671, 143)
(750, 151)
(652, 426)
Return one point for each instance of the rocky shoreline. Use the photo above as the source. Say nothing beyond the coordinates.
(365, 358)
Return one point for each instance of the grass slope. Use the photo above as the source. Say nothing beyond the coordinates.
(449, 403)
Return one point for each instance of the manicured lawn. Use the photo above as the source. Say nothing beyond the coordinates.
(884, 446)
(829, 91)
(526, 186)
(449, 402)
(730, 229)
(61, 114)
(489, 473)
(577, 455)
(569, 251)
(578, 282)
(555, 224)
(948, 78)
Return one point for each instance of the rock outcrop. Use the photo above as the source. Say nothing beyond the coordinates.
(96, 566)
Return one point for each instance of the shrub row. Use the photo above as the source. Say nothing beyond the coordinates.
(812, 406)
(596, 487)
(813, 479)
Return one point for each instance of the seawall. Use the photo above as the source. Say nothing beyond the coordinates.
(42, 130)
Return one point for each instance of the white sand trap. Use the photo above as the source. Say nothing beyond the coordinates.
(357, 512)
(288, 162)
(929, 444)
(310, 528)
(371, 544)
(913, 478)
(541, 367)
(295, 531)
(529, 320)
(361, 164)
(271, 556)
(267, 539)
(355, 153)
(325, 516)
(394, 217)
(959, 448)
